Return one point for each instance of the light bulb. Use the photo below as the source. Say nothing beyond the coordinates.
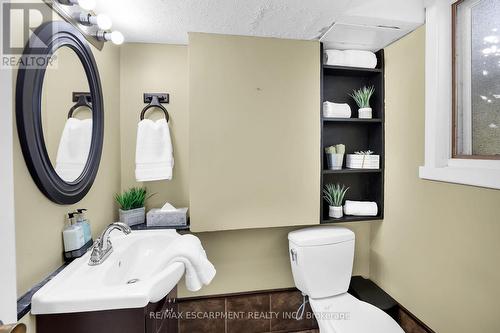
(87, 4)
(103, 22)
(117, 37)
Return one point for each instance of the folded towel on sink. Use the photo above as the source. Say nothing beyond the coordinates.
(187, 249)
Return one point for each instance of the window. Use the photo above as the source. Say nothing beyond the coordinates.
(476, 79)
(462, 92)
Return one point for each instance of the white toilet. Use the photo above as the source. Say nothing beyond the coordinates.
(321, 260)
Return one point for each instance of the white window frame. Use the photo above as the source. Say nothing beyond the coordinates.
(439, 164)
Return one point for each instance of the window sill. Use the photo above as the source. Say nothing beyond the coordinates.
(482, 173)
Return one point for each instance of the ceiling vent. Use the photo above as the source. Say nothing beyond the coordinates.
(372, 25)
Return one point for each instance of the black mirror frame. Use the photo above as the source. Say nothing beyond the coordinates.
(54, 35)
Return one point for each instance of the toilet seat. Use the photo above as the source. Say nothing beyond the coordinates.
(346, 314)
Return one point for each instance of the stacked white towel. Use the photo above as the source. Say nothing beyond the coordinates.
(74, 148)
(154, 157)
(360, 208)
(187, 249)
(336, 110)
(351, 58)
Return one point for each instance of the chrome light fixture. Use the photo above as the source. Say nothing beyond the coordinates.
(85, 4)
(101, 20)
(115, 36)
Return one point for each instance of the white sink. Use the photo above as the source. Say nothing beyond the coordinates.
(135, 274)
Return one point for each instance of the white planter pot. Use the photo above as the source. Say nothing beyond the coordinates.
(336, 212)
(354, 161)
(334, 161)
(133, 216)
(365, 113)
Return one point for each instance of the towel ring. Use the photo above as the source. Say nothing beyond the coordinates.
(82, 100)
(155, 101)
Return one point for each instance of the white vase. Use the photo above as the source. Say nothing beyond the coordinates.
(334, 161)
(336, 212)
(365, 113)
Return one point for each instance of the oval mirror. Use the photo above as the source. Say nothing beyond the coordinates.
(66, 113)
(59, 112)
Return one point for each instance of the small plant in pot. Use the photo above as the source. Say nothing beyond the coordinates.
(334, 195)
(362, 99)
(132, 209)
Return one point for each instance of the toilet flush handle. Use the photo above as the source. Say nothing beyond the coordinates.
(293, 253)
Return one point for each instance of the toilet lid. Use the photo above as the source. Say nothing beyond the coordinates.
(346, 314)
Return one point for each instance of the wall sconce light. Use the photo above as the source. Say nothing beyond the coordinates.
(116, 37)
(101, 20)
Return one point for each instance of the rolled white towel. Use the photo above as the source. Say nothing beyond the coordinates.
(351, 58)
(336, 110)
(360, 208)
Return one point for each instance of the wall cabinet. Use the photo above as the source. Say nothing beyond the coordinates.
(254, 132)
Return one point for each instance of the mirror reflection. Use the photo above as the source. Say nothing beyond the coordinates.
(67, 114)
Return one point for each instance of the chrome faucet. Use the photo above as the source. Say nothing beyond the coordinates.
(102, 247)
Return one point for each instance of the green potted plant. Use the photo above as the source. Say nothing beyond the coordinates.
(334, 195)
(362, 98)
(132, 209)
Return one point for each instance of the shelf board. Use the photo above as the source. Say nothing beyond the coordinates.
(327, 172)
(144, 226)
(350, 71)
(345, 219)
(352, 120)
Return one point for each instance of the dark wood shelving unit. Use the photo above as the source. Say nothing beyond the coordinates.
(346, 219)
(351, 120)
(337, 83)
(326, 171)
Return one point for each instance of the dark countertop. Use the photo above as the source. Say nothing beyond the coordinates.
(144, 226)
(24, 303)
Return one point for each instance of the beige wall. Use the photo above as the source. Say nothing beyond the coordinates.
(254, 132)
(248, 260)
(150, 68)
(39, 222)
(245, 260)
(437, 251)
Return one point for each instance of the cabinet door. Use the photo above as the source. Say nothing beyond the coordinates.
(162, 317)
(254, 132)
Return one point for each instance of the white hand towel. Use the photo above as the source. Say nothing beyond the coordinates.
(74, 148)
(187, 249)
(351, 58)
(360, 208)
(154, 159)
(336, 110)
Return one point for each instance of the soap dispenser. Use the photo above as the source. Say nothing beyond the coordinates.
(85, 224)
(73, 235)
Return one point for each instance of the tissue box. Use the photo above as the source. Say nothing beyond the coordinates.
(158, 218)
(354, 161)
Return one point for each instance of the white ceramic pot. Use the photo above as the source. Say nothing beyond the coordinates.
(336, 212)
(133, 216)
(365, 113)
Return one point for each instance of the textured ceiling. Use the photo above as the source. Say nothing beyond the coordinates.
(169, 21)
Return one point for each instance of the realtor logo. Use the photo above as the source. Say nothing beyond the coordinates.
(19, 21)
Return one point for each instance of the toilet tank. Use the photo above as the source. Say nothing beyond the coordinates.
(321, 259)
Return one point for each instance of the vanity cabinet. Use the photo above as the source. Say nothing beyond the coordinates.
(254, 132)
(153, 318)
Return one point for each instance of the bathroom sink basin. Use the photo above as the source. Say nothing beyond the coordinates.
(135, 274)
